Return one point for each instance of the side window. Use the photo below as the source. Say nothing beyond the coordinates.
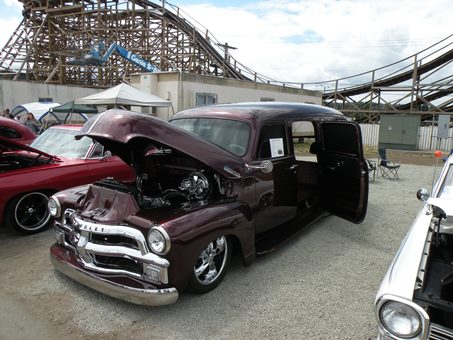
(272, 142)
(98, 151)
(341, 138)
(304, 141)
(9, 132)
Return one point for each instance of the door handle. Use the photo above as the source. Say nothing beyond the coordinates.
(292, 167)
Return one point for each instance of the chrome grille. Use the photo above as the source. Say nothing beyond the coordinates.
(437, 332)
(119, 263)
(114, 240)
(111, 249)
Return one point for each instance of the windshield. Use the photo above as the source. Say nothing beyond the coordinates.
(230, 135)
(61, 142)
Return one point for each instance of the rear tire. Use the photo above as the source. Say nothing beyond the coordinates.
(28, 213)
(211, 265)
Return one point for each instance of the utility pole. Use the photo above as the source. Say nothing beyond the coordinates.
(227, 47)
(226, 59)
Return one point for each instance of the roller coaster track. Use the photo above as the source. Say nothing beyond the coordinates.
(446, 57)
(187, 27)
(422, 84)
(54, 32)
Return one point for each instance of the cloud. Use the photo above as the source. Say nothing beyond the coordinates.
(311, 41)
(12, 3)
(308, 41)
(7, 27)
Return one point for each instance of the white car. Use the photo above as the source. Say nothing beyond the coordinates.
(415, 299)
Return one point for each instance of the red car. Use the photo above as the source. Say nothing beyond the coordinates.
(54, 161)
(16, 131)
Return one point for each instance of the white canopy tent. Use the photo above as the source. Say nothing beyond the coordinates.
(123, 94)
(37, 108)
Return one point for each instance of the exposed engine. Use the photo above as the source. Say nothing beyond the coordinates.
(193, 188)
(164, 179)
(10, 162)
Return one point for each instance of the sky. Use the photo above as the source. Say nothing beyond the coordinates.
(308, 40)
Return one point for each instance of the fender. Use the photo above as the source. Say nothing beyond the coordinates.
(192, 232)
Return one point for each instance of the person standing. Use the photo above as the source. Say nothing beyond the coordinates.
(32, 123)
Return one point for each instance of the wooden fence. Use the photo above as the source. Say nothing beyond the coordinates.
(427, 138)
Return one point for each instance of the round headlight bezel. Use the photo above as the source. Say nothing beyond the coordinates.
(54, 207)
(158, 234)
(412, 308)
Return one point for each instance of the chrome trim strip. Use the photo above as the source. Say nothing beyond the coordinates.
(119, 251)
(232, 172)
(102, 229)
(149, 297)
(424, 260)
(438, 332)
(93, 267)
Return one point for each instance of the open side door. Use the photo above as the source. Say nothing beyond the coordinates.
(344, 173)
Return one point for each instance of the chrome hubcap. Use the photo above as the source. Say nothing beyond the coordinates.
(211, 262)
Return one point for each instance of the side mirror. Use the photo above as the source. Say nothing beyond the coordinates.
(107, 154)
(423, 195)
(265, 166)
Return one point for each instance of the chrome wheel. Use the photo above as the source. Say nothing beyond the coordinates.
(211, 265)
(29, 213)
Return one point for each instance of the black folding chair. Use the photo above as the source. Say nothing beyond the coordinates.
(372, 168)
(387, 168)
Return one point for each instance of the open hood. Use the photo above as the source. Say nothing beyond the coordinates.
(10, 145)
(116, 128)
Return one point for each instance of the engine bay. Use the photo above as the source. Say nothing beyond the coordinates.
(9, 161)
(436, 292)
(165, 179)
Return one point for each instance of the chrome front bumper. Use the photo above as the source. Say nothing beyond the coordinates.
(65, 261)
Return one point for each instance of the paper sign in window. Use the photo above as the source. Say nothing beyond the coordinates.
(276, 147)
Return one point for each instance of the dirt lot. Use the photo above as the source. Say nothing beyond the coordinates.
(321, 285)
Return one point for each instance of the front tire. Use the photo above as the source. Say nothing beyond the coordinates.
(28, 213)
(211, 266)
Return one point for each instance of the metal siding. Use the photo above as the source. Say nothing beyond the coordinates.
(427, 139)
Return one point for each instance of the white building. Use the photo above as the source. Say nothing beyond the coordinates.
(184, 90)
(187, 90)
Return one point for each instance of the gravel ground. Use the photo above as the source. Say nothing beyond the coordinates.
(320, 285)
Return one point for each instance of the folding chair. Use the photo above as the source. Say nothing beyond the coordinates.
(387, 168)
(372, 167)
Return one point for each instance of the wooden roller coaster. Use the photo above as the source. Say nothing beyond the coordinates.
(55, 34)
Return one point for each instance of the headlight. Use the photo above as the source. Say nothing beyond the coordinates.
(54, 207)
(400, 319)
(159, 241)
